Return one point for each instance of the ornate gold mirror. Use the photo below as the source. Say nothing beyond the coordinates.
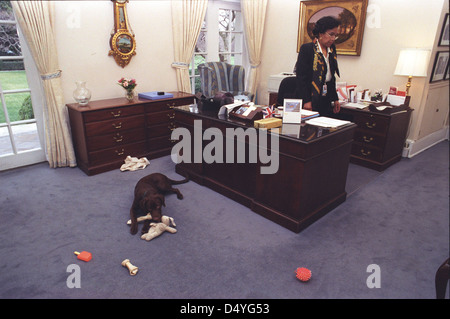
(122, 41)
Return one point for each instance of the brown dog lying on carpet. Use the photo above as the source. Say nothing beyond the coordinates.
(149, 198)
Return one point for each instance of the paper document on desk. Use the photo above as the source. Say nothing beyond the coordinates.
(395, 100)
(324, 121)
(225, 109)
(356, 105)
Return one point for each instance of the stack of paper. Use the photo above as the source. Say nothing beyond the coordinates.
(324, 121)
(307, 114)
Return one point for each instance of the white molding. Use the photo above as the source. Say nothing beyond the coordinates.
(412, 148)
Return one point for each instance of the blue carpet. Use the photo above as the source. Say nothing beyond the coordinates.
(397, 219)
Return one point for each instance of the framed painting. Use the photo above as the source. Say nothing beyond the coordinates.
(444, 37)
(440, 66)
(352, 15)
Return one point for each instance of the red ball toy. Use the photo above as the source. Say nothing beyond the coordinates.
(303, 274)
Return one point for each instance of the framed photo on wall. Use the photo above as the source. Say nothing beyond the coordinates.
(351, 13)
(444, 37)
(440, 66)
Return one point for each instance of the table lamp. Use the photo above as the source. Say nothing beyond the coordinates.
(412, 62)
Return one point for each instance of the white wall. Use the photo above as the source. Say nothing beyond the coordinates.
(83, 30)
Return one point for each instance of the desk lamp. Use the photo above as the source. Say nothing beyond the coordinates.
(412, 62)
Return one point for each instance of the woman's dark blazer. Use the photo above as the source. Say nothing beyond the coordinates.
(304, 72)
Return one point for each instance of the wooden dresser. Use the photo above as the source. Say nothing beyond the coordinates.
(379, 138)
(105, 132)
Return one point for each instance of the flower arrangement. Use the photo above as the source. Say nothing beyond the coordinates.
(128, 84)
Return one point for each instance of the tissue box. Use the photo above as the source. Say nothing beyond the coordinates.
(268, 123)
(154, 95)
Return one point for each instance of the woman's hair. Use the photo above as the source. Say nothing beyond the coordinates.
(324, 24)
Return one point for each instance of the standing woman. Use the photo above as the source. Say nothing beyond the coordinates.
(316, 68)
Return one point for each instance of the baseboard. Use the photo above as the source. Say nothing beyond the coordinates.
(412, 148)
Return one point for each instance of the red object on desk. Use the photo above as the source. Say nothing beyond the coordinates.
(84, 255)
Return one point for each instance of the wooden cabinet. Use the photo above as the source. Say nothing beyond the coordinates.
(105, 132)
(379, 138)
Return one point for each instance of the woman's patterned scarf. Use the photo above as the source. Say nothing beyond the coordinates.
(320, 68)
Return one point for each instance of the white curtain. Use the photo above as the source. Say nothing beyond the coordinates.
(187, 19)
(36, 21)
(254, 13)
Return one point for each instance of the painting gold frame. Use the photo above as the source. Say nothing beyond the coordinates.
(350, 36)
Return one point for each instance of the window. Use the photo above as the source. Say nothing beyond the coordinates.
(230, 36)
(18, 125)
(221, 38)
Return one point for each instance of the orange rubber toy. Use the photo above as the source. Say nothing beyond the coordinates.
(84, 255)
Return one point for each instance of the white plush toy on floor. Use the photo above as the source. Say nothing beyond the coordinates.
(157, 229)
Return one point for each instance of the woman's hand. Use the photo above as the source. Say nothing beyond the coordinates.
(308, 106)
(337, 107)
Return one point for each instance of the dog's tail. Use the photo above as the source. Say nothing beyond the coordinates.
(180, 182)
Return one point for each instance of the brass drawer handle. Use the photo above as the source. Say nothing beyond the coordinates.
(117, 126)
(119, 153)
(367, 140)
(371, 125)
(171, 106)
(365, 153)
(171, 116)
(118, 139)
(117, 114)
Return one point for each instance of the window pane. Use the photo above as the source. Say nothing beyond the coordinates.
(19, 106)
(13, 80)
(236, 42)
(201, 42)
(198, 59)
(5, 142)
(26, 137)
(6, 11)
(224, 42)
(224, 20)
(9, 40)
(2, 114)
(236, 24)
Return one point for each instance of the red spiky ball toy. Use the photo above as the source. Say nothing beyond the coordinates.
(303, 274)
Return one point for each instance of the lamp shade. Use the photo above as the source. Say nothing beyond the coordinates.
(412, 62)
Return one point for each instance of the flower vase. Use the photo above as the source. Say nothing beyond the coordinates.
(82, 94)
(130, 96)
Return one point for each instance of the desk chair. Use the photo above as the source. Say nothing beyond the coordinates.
(287, 89)
(222, 76)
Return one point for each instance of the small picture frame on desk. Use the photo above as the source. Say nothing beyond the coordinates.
(292, 111)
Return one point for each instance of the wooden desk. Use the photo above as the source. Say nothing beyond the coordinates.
(105, 132)
(310, 181)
